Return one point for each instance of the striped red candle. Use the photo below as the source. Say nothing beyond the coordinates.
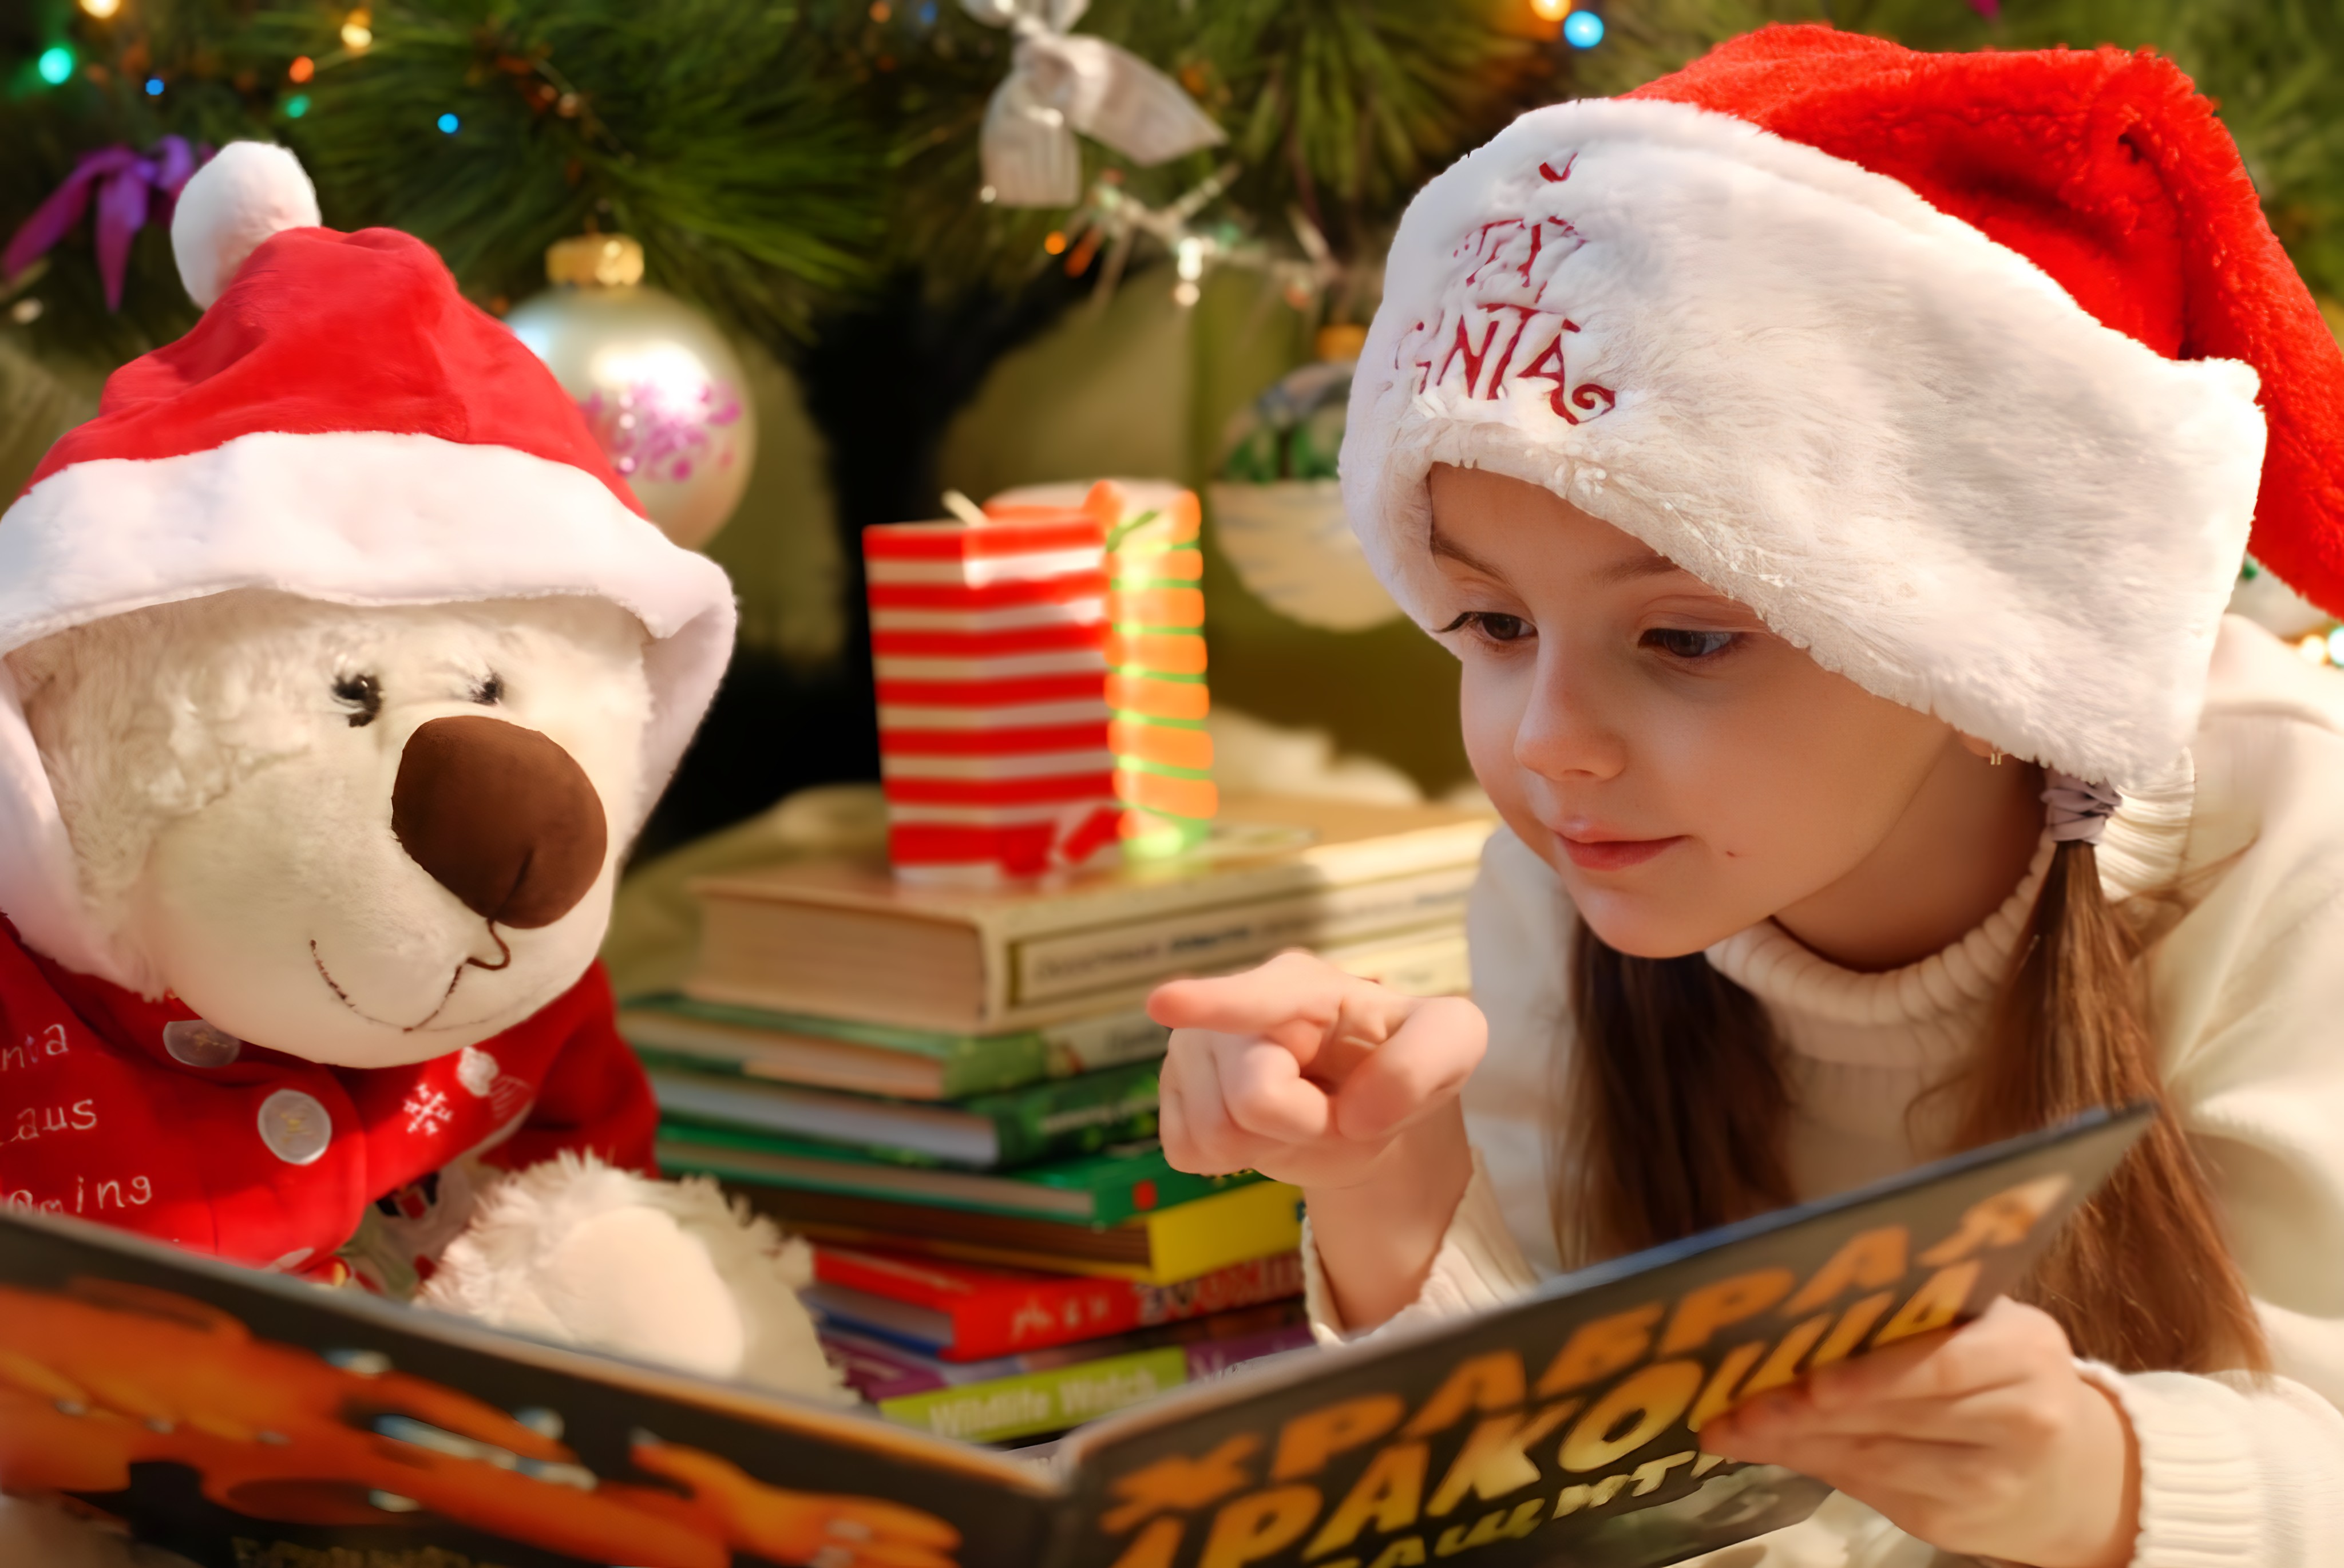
(990, 643)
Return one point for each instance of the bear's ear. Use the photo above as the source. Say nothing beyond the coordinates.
(35, 665)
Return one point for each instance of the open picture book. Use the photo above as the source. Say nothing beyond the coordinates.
(246, 1420)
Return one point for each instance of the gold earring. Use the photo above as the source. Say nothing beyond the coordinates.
(1994, 758)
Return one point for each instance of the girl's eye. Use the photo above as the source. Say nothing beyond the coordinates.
(1491, 625)
(1689, 646)
(362, 695)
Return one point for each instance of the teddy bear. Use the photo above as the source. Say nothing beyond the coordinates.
(336, 671)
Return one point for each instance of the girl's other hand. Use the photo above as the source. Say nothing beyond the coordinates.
(1342, 1086)
(1982, 1440)
(1303, 1072)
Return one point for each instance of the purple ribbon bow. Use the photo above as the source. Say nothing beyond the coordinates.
(2078, 809)
(130, 184)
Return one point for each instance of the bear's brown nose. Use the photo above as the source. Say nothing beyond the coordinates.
(502, 817)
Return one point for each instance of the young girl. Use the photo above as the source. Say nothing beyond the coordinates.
(1830, 465)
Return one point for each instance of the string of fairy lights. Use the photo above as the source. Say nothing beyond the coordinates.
(56, 65)
(1196, 232)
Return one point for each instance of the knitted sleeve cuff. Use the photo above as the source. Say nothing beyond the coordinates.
(2233, 1471)
(1480, 1265)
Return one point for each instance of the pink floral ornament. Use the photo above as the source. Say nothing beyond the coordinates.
(655, 430)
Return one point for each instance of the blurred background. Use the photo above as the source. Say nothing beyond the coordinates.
(915, 275)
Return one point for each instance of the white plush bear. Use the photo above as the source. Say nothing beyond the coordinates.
(336, 673)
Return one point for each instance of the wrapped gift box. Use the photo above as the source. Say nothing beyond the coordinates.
(989, 643)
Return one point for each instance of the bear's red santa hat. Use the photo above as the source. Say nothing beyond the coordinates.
(1947, 365)
(341, 424)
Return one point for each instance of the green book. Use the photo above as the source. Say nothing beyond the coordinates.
(1101, 1188)
(1035, 1402)
(877, 1058)
(1011, 1128)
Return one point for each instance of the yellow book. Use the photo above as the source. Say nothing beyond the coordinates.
(1162, 1248)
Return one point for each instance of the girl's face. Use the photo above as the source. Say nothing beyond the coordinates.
(1687, 772)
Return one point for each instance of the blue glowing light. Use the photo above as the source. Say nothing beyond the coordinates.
(1582, 29)
(296, 105)
(449, 123)
(56, 63)
(154, 86)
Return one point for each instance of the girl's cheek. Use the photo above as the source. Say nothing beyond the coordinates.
(1490, 712)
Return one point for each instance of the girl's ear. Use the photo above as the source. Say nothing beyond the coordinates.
(1985, 750)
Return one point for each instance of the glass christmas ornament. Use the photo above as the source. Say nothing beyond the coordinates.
(660, 388)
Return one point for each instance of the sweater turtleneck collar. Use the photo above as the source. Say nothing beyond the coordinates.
(2141, 851)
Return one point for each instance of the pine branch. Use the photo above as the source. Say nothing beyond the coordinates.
(705, 129)
(2275, 67)
(1341, 107)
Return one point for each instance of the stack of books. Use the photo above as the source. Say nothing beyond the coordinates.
(953, 1091)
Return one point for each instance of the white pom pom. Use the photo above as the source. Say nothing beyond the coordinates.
(249, 191)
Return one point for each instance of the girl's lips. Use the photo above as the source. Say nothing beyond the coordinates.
(1612, 854)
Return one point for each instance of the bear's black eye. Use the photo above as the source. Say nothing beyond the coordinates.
(362, 695)
(490, 691)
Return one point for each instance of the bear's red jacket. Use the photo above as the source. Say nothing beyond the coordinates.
(266, 1158)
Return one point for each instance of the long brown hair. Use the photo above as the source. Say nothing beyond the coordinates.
(1673, 1109)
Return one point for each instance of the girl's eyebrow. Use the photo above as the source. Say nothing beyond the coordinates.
(1628, 569)
(1652, 563)
(1443, 545)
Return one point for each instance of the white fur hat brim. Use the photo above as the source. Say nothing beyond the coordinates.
(1899, 442)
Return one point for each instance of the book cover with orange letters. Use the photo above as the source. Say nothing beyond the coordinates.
(247, 1421)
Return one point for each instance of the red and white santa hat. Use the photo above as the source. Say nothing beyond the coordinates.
(1957, 368)
(341, 424)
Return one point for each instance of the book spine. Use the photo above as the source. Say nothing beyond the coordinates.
(751, 1039)
(1003, 1321)
(1037, 1402)
(1196, 1239)
(1046, 969)
(1439, 965)
(1209, 1359)
(990, 1063)
(1070, 1115)
(1109, 1040)
(1111, 1190)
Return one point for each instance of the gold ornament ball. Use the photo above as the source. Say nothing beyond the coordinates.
(662, 391)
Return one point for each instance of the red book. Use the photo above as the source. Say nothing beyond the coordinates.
(968, 1312)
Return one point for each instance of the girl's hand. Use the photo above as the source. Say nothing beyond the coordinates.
(1982, 1440)
(1303, 1072)
(1345, 1088)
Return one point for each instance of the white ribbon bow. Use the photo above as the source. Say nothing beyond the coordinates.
(1059, 85)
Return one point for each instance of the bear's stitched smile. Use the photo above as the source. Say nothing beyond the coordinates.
(504, 961)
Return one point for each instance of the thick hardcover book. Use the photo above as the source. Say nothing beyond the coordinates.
(241, 1418)
(843, 938)
(872, 1058)
(997, 1131)
(1102, 1189)
(968, 1312)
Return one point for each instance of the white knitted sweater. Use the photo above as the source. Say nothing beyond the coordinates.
(2247, 994)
